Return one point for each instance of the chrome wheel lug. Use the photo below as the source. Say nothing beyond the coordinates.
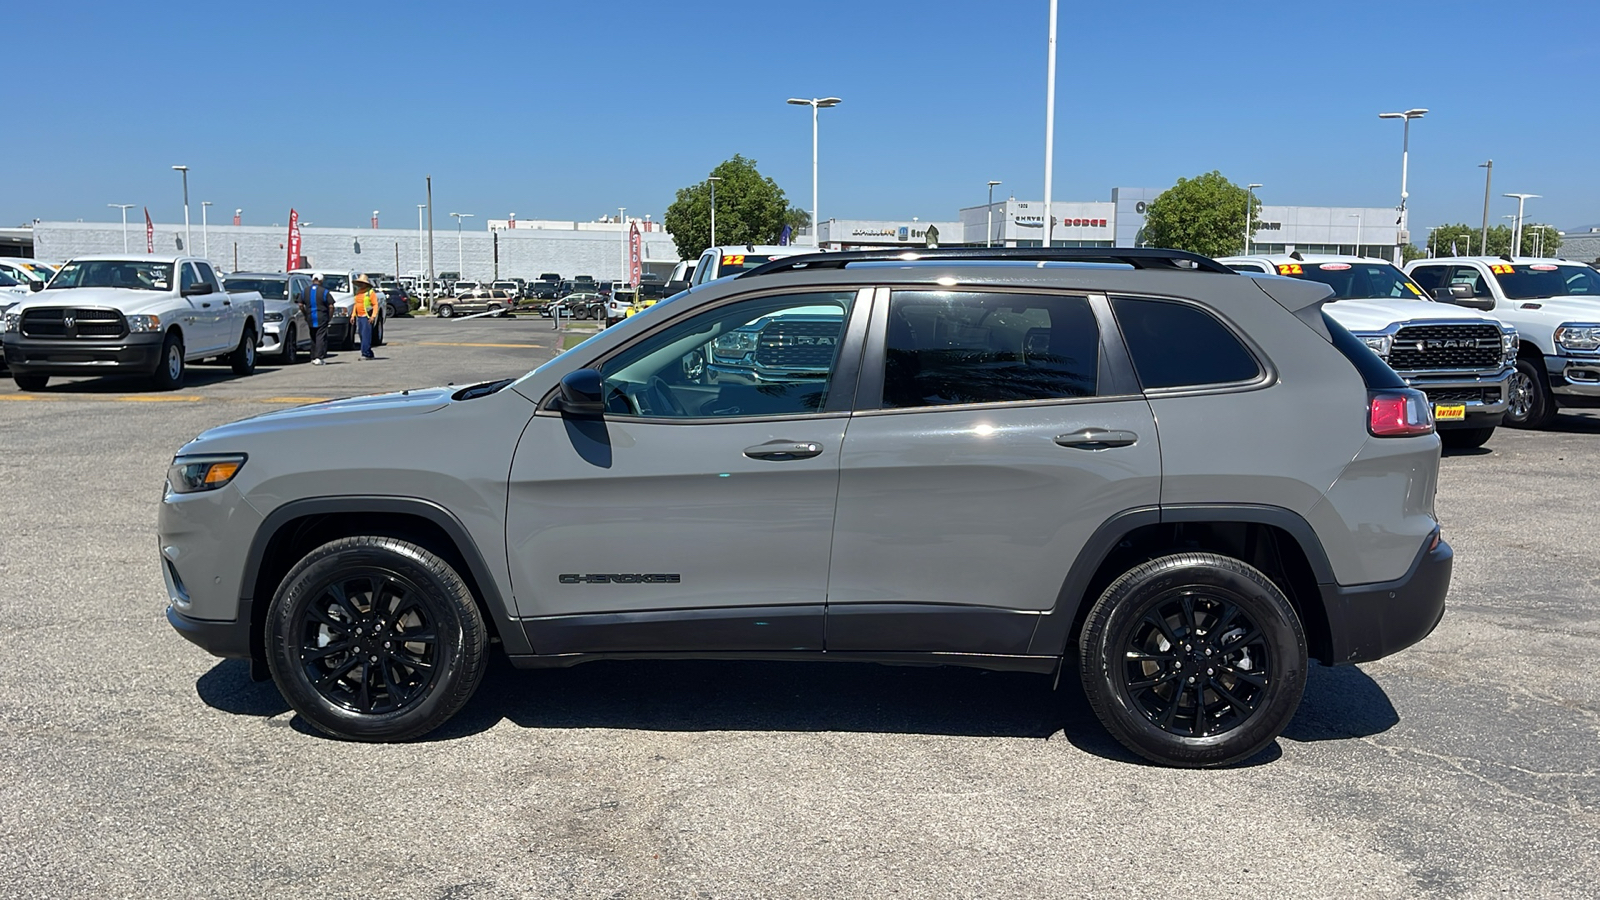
(1211, 671)
(1191, 679)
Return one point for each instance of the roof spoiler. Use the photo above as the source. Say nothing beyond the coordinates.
(1138, 258)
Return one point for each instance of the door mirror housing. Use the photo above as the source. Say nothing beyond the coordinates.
(1461, 295)
(582, 393)
(36, 286)
(198, 288)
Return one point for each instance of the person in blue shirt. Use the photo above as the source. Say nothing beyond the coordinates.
(319, 312)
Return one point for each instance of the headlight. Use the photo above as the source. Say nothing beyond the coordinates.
(734, 344)
(341, 312)
(144, 324)
(1508, 346)
(275, 317)
(1578, 337)
(191, 474)
(1379, 343)
(10, 321)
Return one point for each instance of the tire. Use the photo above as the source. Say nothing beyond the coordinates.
(377, 333)
(169, 372)
(1183, 614)
(445, 311)
(1532, 404)
(290, 354)
(323, 627)
(30, 382)
(1465, 438)
(243, 357)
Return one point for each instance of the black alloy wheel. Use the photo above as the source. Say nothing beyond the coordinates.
(289, 354)
(375, 639)
(1193, 660)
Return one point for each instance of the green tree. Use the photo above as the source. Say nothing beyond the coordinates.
(1203, 215)
(1467, 240)
(751, 209)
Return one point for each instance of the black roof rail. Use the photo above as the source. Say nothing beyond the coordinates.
(1137, 257)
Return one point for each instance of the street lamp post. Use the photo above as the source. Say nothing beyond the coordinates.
(713, 179)
(1249, 212)
(188, 239)
(124, 207)
(205, 234)
(422, 262)
(1405, 154)
(815, 103)
(1050, 130)
(988, 236)
(1357, 217)
(1516, 228)
(622, 217)
(461, 266)
(1488, 176)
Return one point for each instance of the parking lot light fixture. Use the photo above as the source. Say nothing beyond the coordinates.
(188, 239)
(713, 179)
(988, 235)
(815, 103)
(1249, 212)
(205, 235)
(1516, 227)
(422, 262)
(1405, 154)
(461, 268)
(1357, 217)
(1050, 130)
(124, 207)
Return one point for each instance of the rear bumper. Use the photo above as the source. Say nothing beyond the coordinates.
(1371, 621)
(31, 356)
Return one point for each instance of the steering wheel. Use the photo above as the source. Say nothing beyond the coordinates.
(661, 400)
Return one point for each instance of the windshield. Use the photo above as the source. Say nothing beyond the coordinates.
(115, 273)
(1534, 280)
(7, 280)
(1356, 281)
(268, 288)
(336, 282)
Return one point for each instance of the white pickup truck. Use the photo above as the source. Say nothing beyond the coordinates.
(1554, 304)
(151, 315)
(1461, 358)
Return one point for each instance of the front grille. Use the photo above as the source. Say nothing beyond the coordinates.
(66, 323)
(1463, 395)
(798, 344)
(1422, 347)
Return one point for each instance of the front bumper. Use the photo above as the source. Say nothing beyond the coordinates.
(33, 356)
(199, 537)
(1486, 396)
(230, 640)
(1574, 376)
(271, 339)
(1371, 621)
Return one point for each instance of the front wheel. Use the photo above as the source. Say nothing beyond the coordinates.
(290, 354)
(30, 382)
(375, 639)
(1531, 403)
(1193, 660)
(243, 358)
(1465, 438)
(169, 372)
(445, 310)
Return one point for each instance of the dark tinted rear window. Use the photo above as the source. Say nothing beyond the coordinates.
(1374, 371)
(1178, 345)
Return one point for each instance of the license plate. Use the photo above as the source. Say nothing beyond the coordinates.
(1453, 412)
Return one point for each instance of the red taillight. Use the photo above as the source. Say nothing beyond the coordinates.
(1399, 413)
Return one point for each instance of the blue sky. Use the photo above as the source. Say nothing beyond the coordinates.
(569, 110)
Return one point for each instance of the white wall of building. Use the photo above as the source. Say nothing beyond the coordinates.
(837, 234)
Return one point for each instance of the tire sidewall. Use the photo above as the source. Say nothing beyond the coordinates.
(164, 378)
(1119, 610)
(1539, 400)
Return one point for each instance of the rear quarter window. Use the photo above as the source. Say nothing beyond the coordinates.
(1176, 345)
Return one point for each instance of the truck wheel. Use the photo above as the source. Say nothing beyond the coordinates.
(291, 349)
(375, 639)
(1193, 660)
(1465, 438)
(168, 375)
(30, 382)
(243, 358)
(445, 310)
(377, 333)
(1532, 405)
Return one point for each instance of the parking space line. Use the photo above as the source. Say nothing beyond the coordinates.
(24, 397)
(290, 399)
(170, 398)
(454, 344)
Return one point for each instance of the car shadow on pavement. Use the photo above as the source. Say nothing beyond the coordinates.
(195, 376)
(1340, 702)
(227, 687)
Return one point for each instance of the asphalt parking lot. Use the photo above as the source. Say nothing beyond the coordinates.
(134, 765)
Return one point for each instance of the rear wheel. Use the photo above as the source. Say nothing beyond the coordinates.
(1193, 660)
(30, 382)
(1531, 403)
(375, 639)
(168, 375)
(1465, 438)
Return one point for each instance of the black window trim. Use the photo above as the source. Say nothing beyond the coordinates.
(1268, 373)
(1115, 370)
(840, 396)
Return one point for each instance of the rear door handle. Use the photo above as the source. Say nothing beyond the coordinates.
(783, 451)
(1096, 439)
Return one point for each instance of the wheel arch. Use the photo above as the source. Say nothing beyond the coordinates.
(1278, 541)
(296, 528)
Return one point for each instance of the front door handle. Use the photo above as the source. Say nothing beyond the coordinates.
(783, 451)
(1096, 439)
(206, 305)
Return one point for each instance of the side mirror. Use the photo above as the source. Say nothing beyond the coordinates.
(198, 288)
(36, 286)
(582, 394)
(1461, 295)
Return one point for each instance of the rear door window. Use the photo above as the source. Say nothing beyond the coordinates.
(945, 348)
(1178, 345)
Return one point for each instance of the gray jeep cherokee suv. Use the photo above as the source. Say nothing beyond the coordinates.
(1183, 481)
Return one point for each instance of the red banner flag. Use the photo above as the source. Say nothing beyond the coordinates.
(294, 241)
(634, 261)
(149, 232)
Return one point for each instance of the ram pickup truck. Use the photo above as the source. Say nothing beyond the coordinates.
(1554, 304)
(1461, 358)
(149, 315)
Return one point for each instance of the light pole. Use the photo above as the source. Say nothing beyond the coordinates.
(1405, 154)
(188, 239)
(375, 223)
(124, 207)
(622, 216)
(205, 234)
(1488, 176)
(1516, 229)
(1050, 129)
(461, 267)
(1249, 212)
(422, 262)
(988, 236)
(1357, 217)
(815, 103)
(713, 179)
